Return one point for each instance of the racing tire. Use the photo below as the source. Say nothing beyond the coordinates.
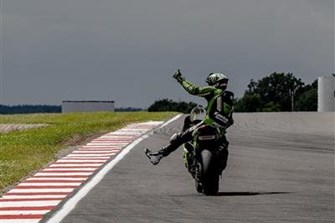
(210, 176)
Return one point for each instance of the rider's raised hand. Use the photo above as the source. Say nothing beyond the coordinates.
(178, 76)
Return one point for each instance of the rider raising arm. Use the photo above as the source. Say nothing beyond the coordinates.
(219, 111)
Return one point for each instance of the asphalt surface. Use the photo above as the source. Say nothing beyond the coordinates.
(280, 169)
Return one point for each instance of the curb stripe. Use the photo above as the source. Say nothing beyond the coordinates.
(19, 197)
(72, 168)
(67, 171)
(39, 190)
(86, 159)
(44, 187)
(30, 216)
(27, 208)
(22, 212)
(30, 199)
(88, 165)
(68, 177)
(63, 174)
(51, 183)
(54, 181)
(29, 203)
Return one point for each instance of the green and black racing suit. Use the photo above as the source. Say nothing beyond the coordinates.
(219, 113)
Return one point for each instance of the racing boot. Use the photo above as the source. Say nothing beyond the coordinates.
(197, 177)
(154, 157)
(223, 158)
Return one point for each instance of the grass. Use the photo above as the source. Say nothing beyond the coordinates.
(24, 152)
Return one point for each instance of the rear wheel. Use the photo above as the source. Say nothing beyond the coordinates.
(197, 179)
(210, 176)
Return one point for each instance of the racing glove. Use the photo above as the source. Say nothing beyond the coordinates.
(178, 76)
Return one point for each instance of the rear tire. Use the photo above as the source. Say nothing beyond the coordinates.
(197, 179)
(210, 176)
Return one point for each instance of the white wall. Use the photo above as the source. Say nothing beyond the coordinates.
(87, 106)
(326, 93)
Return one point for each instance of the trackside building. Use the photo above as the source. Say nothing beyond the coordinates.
(326, 93)
(87, 106)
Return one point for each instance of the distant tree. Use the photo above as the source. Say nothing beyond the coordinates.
(128, 109)
(278, 89)
(170, 105)
(250, 102)
(278, 92)
(271, 107)
(307, 99)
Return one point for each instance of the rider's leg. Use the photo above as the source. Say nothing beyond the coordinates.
(175, 141)
(187, 123)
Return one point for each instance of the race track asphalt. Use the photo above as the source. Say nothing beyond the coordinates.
(280, 169)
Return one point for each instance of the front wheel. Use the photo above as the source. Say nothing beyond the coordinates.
(209, 175)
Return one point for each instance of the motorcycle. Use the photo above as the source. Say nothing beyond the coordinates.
(204, 156)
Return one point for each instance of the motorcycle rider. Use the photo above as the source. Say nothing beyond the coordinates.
(219, 113)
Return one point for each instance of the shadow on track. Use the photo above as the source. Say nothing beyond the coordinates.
(228, 194)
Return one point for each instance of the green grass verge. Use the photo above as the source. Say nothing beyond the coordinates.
(24, 152)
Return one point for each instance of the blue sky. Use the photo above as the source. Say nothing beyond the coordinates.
(127, 50)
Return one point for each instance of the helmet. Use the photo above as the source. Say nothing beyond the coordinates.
(218, 80)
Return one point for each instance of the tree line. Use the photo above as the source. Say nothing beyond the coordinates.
(170, 105)
(29, 109)
(278, 92)
(274, 93)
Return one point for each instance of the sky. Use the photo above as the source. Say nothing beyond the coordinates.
(127, 51)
